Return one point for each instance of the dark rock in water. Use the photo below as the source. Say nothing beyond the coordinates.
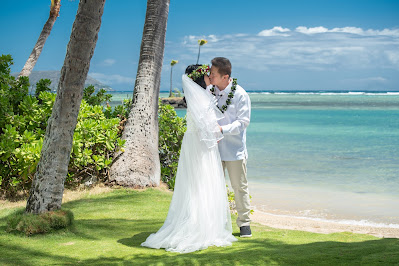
(176, 102)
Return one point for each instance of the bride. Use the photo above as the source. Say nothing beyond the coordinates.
(198, 214)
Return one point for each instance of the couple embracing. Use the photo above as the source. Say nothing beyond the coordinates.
(218, 113)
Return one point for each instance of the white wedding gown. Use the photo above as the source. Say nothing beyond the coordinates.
(199, 214)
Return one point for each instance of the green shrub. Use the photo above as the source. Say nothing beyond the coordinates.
(176, 93)
(42, 85)
(122, 111)
(95, 99)
(102, 98)
(23, 122)
(95, 140)
(12, 91)
(171, 132)
(31, 224)
(21, 142)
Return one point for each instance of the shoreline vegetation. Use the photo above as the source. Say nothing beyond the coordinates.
(259, 217)
(111, 223)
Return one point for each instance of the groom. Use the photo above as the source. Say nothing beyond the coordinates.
(236, 105)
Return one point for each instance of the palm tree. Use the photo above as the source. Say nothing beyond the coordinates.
(172, 63)
(37, 49)
(48, 182)
(200, 43)
(139, 165)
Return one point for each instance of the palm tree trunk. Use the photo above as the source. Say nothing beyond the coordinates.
(37, 49)
(171, 71)
(139, 165)
(48, 183)
(199, 51)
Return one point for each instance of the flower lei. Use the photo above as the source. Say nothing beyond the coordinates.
(229, 97)
(200, 71)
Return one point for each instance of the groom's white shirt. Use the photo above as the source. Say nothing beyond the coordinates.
(234, 124)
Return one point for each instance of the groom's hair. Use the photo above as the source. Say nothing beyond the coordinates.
(223, 64)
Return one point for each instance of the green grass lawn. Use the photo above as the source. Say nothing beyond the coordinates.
(109, 228)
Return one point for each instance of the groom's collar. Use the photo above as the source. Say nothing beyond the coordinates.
(227, 89)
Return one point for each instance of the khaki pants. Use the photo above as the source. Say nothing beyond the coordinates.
(238, 177)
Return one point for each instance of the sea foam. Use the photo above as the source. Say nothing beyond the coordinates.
(343, 221)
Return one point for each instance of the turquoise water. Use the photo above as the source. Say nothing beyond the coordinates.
(325, 155)
(350, 144)
(334, 157)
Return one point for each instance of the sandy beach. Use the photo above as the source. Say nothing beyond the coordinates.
(323, 227)
(325, 211)
(260, 217)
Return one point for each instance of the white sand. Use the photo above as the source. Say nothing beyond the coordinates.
(324, 227)
(283, 206)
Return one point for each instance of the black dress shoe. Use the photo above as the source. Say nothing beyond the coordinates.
(245, 231)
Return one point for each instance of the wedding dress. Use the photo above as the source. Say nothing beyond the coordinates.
(199, 214)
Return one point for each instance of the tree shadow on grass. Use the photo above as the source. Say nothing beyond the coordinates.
(249, 252)
(95, 229)
(264, 248)
(19, 255)
(113, 228)
(120, 196)
(266, 251)
(136, 240)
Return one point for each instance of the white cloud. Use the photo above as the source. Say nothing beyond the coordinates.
(367, 80)
(393, 56)
(314, 30)
(212, 38)
(351, 30)
(112, 79)
(304, 48)
(343, 53)
(377, 79)
(108, 62)
(276, 31)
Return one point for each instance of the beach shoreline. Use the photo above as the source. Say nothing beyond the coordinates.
(322, 227)
(259, 217)
(321, 210)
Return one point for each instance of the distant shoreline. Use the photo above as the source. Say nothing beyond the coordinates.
(316, 92)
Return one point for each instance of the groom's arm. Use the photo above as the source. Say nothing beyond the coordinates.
(243, 117)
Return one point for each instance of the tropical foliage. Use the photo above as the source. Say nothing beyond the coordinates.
(171, 132)
(23, 121)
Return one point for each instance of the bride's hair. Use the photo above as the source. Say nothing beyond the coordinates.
(200, 81)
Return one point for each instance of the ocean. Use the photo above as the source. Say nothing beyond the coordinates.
(324, 155)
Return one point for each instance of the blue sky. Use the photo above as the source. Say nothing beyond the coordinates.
(273, 45)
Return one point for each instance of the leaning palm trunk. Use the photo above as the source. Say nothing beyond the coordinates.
(48, 182)
(34, 56)
(139, 165)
